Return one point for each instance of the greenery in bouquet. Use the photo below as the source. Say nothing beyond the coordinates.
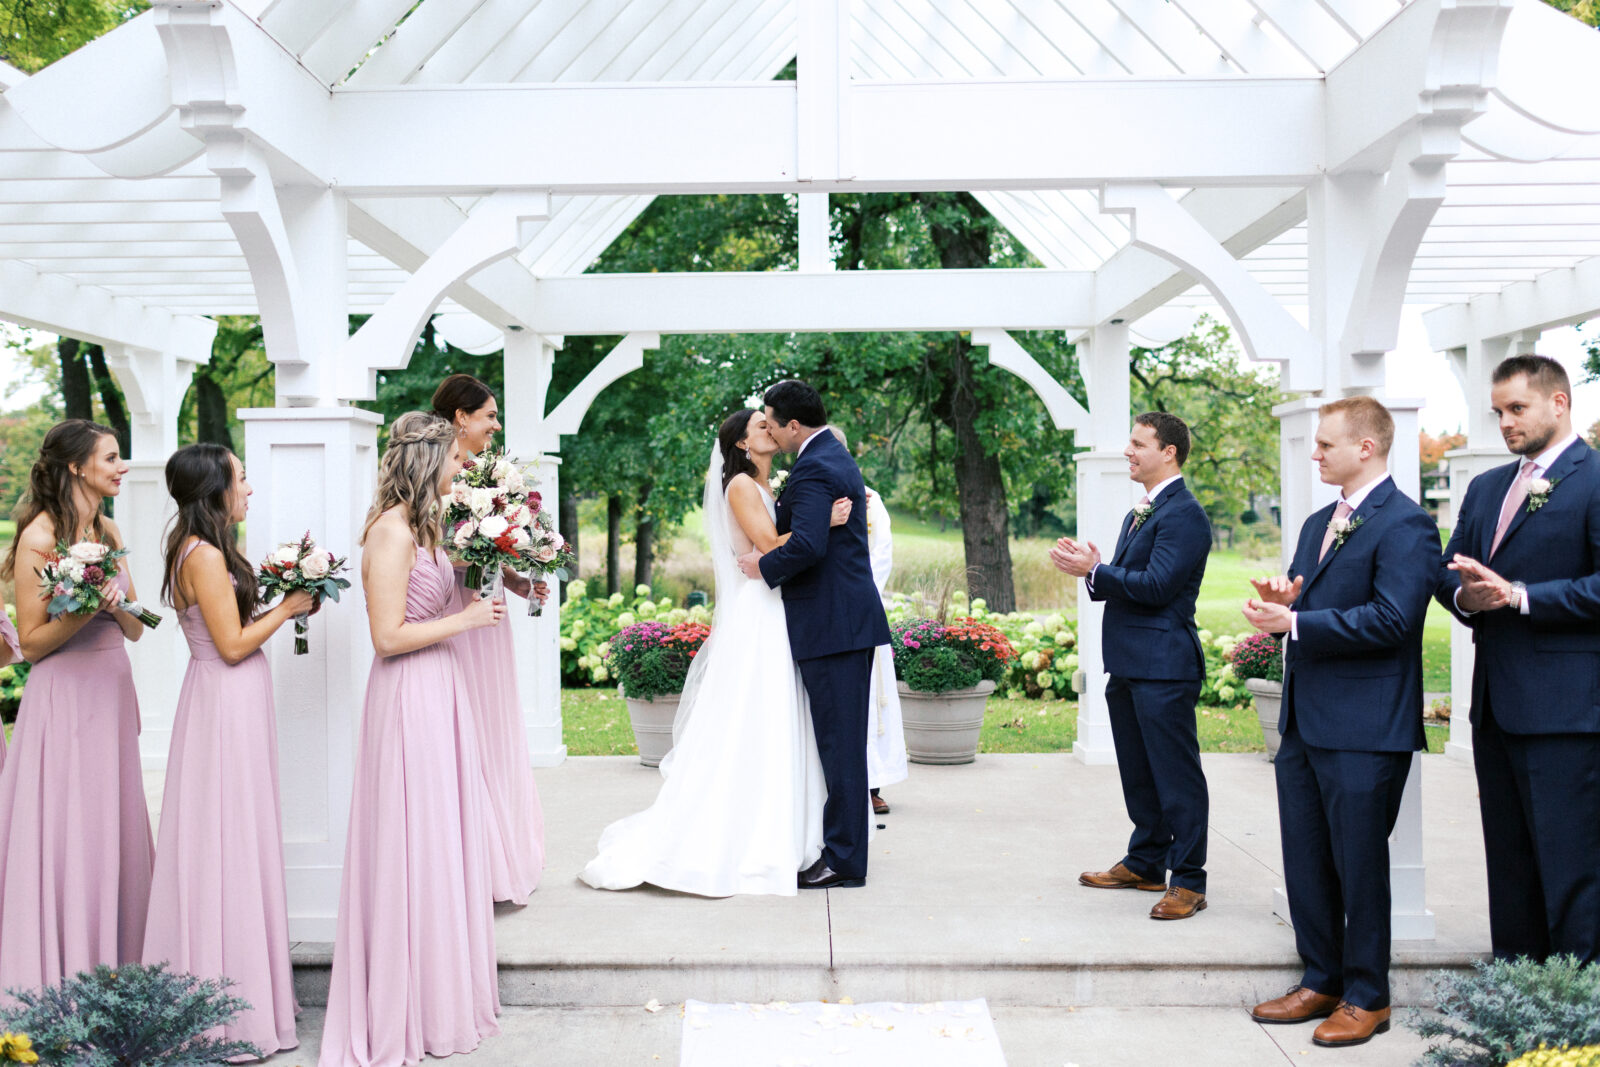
(1257, 656)
(1505, 1009)
(589, 624)
(301, 566)
(128, 1017)
(931, 656)
(74, 580)
(651, 659)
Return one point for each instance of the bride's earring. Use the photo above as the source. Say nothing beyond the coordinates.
(747, 455)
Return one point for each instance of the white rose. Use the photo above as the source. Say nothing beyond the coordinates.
(483, 501)
(88, 552)
(286, 554)
(517, 515)
(463, 536)
(493, 526)
(461, 493)
(1339, 525)
(1536, 487)
(519, 537)
(315, 565)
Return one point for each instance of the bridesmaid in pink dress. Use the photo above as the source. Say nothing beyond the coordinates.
(516, 823)
(75, 846)
(414, 960)
(10, 652)
(217, 902)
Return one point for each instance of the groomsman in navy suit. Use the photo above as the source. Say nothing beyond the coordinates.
(1152, 654)
(1352, 606)
(1525, 575)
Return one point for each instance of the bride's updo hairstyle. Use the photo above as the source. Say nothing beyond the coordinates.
(408, 474)
(735, 428)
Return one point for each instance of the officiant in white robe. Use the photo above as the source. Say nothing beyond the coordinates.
(886, 739)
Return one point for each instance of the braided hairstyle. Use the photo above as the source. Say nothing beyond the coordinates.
(52, 485)
(408, 475)
(735, 428)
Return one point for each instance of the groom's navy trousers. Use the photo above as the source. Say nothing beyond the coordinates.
(1152, 653)
(835, 620)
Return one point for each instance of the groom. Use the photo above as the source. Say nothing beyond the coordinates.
(835, 617)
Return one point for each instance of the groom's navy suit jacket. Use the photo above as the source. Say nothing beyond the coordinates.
(1353, 679)
(1150, 587)
(828, 568)
(1537, 671)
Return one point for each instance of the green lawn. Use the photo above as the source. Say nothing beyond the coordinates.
(595, 723)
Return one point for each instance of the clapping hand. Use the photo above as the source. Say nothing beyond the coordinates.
(1481, 588)
(1270, 617)
(1076, 558)
(1278, 589)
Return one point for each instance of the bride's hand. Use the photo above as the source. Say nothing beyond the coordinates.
(841, 511)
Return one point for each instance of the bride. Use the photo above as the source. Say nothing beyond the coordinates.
(741, 808)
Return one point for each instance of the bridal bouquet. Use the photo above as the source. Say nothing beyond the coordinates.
(74, 580)
(493, 519)
(297, 565)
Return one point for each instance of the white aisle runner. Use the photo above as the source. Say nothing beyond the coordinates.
(950, 1033)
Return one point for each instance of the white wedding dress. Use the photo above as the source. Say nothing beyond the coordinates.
(741, 808)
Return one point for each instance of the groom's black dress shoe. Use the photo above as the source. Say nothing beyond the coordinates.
(820, 876)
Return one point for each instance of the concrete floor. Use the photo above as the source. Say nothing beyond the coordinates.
(972, 893)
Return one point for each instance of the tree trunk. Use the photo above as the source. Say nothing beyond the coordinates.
(77, 398)
(210, 410)
(567, 523)
(644, 541)
(959, 228)
(111, 399)
(985, 518)
(613, 544)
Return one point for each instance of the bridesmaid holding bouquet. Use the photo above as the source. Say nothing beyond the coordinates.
(414, 959)
(75, 848)
(516, 823)
(218, 906)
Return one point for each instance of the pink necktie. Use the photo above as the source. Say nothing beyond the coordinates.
(1134, 525)
(1514, 500)
(1341, 512)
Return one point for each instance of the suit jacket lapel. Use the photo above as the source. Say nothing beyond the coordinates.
(1124, 537)
(1128, 533)
(1563, 466)
(1374, 500)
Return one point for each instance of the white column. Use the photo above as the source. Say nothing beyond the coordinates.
(1300, 489)
(816, 251)
(315, 468)
(529, 359)
(1104, 496)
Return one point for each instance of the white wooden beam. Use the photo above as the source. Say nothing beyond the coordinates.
(1557, 298)
(823, 97)
(626, 357)
(1004, 352)
(55, 304)
(783, 301)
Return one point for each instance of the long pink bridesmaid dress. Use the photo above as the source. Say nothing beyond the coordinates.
(75, 848)
(516, 819)
(414, 960)
(8, 637)
(218, 906)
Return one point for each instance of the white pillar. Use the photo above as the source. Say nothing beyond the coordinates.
(529, 359)
(1104, 495)
(816, 229)
(315, 468)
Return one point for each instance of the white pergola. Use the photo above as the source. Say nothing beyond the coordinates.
(467, 159)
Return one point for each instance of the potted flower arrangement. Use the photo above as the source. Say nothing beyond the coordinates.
(946, 671)
(650, 661)
(1258, 660)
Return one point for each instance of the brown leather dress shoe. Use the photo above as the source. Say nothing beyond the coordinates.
(880, 806)
(1350, 1025)
(1295, 1006)
(1179, 903)
(1119, 877)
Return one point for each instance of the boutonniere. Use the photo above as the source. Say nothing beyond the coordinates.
(1141, 512)
(777, 481)
(1342, 528)
(1539, 490)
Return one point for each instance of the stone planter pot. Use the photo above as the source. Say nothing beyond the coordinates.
(944, 727)
(652, 726)
(1268, 697)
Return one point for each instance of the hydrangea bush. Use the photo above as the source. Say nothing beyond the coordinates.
(1046, 655)
(588, 625)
